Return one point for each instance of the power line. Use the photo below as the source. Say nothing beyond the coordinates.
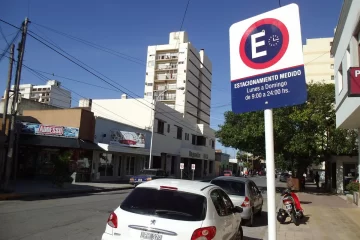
(3, 35)
(74, 80)
(96, 46)
(184, 16)
(43, 78)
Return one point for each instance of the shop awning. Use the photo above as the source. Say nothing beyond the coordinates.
(56, 142)
(121, 149)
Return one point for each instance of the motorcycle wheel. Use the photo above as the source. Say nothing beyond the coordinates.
(294, 219)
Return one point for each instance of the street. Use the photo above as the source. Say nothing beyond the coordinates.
(80, 217)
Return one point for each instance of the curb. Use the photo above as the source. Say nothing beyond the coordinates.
(18, 196)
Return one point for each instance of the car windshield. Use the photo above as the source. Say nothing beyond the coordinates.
(169, 204)
(148, 172)
(231, 187)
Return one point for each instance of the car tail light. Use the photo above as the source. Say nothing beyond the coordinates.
(205, 233)
(112, 220)
(168, 188)
(246, 202)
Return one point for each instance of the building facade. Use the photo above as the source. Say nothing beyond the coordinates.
(179, 65)
(51, 93)
(319, 65)
(125, 150)
(176, 139)
(345, 50)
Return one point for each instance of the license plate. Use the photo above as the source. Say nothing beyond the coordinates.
(150, 236)
(288, 206)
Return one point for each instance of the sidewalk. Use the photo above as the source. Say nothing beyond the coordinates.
(326, 217)
(43, 189)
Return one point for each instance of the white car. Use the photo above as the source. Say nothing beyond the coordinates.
(168, 209)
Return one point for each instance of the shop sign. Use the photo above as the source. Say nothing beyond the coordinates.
(194, 154)
(127, 139)
(49, 130)
(354, 82)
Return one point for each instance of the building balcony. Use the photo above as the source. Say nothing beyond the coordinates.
(167, 68)
(163, 87)
(167, 56)
(171, 97)
(168, 76)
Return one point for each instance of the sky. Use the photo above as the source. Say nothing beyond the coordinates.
(129, 27)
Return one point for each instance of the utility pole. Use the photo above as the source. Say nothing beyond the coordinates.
(10, 153)
(6, 102)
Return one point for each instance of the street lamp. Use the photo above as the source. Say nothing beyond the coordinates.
(153, 121)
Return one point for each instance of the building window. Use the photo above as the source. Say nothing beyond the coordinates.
(331, 43)
(149, 84)
(332, 66)
(182, 62)
(340, 79)
(187, 137)
(179, 133)
(160, 127)
(193, 139)
(212, 143)
(148, 94)
(168, 128)
(332, 77)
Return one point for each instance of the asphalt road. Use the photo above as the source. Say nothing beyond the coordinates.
(79, 217)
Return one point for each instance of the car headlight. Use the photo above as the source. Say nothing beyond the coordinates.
(149, 179)
(131, 179)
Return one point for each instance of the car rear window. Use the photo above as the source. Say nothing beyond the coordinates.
(231, 187)
(169, 204)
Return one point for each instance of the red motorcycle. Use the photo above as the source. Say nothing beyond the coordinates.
(292, 209)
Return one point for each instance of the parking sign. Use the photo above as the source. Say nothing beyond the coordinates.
(266, 61)
(192, 166)
(181, 166)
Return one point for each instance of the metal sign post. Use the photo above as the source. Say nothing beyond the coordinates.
(181, 170)
(267, 72)
(193, 170)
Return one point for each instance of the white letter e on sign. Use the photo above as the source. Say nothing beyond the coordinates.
(255, 45)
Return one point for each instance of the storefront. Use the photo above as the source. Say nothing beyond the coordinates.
(204, 165)
(40, 145)
(124, 150)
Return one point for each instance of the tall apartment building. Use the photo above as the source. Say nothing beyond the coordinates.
(51, 93)
(180, 76)
(319, 65)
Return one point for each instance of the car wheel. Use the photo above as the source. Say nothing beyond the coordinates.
(250, 222)
(240, 234)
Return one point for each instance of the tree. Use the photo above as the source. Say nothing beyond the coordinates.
(303, 134)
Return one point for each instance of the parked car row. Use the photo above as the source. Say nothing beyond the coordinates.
(163, 209)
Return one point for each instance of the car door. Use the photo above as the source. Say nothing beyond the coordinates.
(254, 195)
(235, 220)
(224, 220)
(260, 198)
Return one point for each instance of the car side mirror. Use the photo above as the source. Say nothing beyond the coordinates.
(238, 209)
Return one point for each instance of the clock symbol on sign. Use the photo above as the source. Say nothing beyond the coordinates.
(274, 40)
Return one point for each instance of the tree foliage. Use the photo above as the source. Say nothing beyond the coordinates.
(303, 134)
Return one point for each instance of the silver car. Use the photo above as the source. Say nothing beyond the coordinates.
(244, 193)
(284, 177)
